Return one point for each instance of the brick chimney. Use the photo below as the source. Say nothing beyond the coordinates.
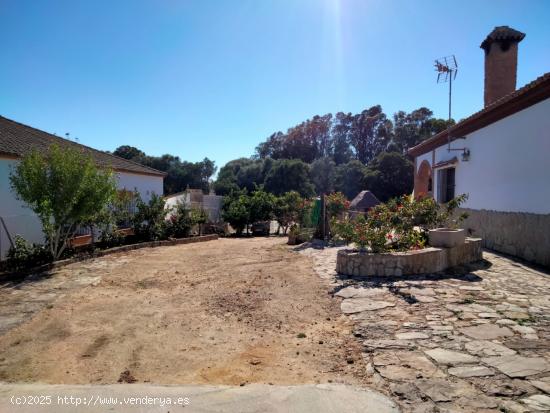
(501, 61)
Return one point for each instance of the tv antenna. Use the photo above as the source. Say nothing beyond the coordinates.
(446, 68)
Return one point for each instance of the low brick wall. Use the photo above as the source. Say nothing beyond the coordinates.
(520, 234)
(425, 261)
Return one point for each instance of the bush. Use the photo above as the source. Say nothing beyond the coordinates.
(236, 211)
(398, 225)
(22, 255)
(287, 209)
(183, 219)
(336, 204)
(149, 221)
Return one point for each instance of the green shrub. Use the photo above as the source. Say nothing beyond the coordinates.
(401, 224)
(22, 255)
(149, 220)
(336, 204)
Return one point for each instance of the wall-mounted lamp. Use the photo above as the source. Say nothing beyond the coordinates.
(466, 155)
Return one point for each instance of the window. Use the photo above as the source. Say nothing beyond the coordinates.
(445, 184)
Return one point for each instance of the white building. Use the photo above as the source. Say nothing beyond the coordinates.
(499, 156)
(194, 198)
(16, 140)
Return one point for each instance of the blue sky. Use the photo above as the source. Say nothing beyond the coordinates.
(214, 78)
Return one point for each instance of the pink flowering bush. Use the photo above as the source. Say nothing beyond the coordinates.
(401, 224)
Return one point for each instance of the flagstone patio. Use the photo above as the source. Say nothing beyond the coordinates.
(473, 339)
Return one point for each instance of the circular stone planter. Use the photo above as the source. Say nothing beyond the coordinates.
(395, 264)
(446, 237)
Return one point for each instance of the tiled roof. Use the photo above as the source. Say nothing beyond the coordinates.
(18, 140)
(363, 201)
(500, 34)
(530, 94)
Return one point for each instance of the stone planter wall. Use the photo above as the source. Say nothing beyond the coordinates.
(425, 261)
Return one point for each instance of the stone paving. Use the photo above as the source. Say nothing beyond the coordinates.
(475, 339)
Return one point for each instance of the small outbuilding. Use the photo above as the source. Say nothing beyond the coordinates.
(364, 201)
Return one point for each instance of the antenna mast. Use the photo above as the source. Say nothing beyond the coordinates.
(446, 68)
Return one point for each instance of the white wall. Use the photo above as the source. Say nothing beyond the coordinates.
(21, 220)
(146, 185)
(509, 166)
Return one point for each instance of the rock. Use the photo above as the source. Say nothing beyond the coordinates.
(469, 308)
(538, 402)
(471, 288)
(486, 332)
(357, 292)
(357, 305)
(488, 315)
(524, 344)
(420, 291)
(442, 328)
(506, 322)
(388, 344)
(510, 406)
(514, 315)
(412, 335)
(405, 365)
(425, 299)
(449, 357)
(471, 371)
(542, 384)
(505, 387)
(441, 390)
(523, 329)
(488, 348)
(404, 391)
(477, 401)
(518, 366)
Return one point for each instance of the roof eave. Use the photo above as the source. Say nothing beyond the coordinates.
(487, 116)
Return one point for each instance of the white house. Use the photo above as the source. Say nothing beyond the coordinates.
(16, 140)
(195, 198)
(499, 156)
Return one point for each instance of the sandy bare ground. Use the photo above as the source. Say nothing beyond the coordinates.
(222, 312)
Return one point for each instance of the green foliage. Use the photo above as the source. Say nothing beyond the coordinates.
(323, 175)
(261, 205)
(239, 174)
(336, 204)
(118, 215)
(289, 175)
(149, 221)
(22, 255)
(236, 211)
(65, 189)
(389, 175)
(287, 209)
(350, 178)
(409, 129)
(182, 220)
(181, 174)
(398, 225)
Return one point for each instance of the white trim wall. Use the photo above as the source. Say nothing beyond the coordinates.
(22, 221)
(509, 166)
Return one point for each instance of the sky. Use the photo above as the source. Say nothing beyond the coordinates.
(213, 78)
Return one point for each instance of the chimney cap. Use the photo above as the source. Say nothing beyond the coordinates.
(502, 34)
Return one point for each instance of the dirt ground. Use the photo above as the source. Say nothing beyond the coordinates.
(230, 311)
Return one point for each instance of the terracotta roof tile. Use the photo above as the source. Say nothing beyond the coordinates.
(17, 139)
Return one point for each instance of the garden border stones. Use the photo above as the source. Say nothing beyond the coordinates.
(428, 260)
